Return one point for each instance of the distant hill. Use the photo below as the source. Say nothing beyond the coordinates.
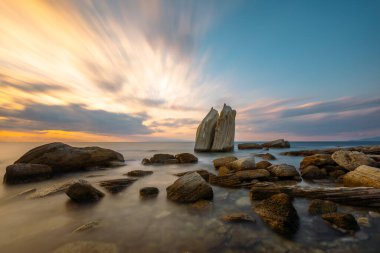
(370, 139)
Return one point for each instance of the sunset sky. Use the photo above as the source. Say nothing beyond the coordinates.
(151, 70)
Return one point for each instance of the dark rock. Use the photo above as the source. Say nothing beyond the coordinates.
(313, 172)
(363, 176)
(266, 156)
(225, 181)
(145, 161)
(202, 205)
(249, 146)
(318, 206)
(219, 162)
(63, 158)
(139, 173)
(171, 161)
(82, 191)
(280, 143)
(279, 213)
(189, 189)
(117, 185)
(186, 158)
(149, 192)
(263, 165)
(343, 221)
(206, 132)
(283, 170)
(238, 217)
(27, 172)
(161, 158)
(203, 173)
(319, 160)
(337, 173)
(242, 164)
(244, 175)
(368, 150)
(350, 160)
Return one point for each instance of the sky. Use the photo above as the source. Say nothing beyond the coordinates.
(151, 70)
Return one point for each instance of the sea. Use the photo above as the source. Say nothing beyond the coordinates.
(124, 222)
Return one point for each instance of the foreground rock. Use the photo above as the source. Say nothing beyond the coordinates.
(189, 189)
(363, 176)
(283, 171)
(318, 206)
(87, 246)
(219, 162)
(149, 192)
(139, 173)
(64, 158)
(280, 143)
(242, 164)
(249, 146)
(320, 166)
(343, 221)
(26, 172)
(278, 212)
(206, 132)
(248, 175)
(238, 217)
(170, 159)
(350, 160)
(117, 185)
(82, 191)
(224, 131)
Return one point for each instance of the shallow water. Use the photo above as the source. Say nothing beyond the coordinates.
(158, 225)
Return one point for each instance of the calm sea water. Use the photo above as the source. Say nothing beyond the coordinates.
(158, 225)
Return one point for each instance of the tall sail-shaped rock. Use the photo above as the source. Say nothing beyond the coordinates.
(225, 130)
(206, 131)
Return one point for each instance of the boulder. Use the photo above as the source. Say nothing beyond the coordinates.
(280, 143)
(318, 206)
(145, 161)
(82, 191)
(225, 181)
(206, 132)
(350, 160)
(161, 158)
(203, 173)
(186, 158)
(171, 161)
(266, 156)
(149, 192)
(242, 164)
(278, 212)
(139, 173)
(249, 146)
(313, 172)
(238, 217)
(27, 172)
(319, 160)
(363, 176)
(283, 170)
(219, 162)
(224, 131)
(224, 171)
(263, 165)
(63, 158)
(343, 221)
(189, 188)
(244, 175)
(117, 185)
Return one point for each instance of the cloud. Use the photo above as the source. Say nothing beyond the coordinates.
(72, 118)
(170, 122)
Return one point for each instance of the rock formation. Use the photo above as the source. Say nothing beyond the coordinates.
(216, 133)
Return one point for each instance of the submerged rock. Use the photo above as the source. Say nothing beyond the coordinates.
(27, 172)
(363, 176)
(117, 185)
(238, 217)
(170, 159)
(203, 173)
(280, 143)
(266, 156)
(350, 160)
(278, 212)
(161, 158)
(242, 164)
(189, 188)
(149, 192)
(88, 247)
(206, 132)
(252, 174)
(186, 158)
(249, 146)
(318, 206)
(225, 130)
(343, 221)
(87, 226)
(219, 162)
(139, 173)
(64, 158)
(82, 191)
(51, 189)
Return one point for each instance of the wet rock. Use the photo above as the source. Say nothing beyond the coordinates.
(64, 158)
(224, 171)
(219, 162)
(283, 170)
(206, 132)
(318, 206)
(27, 172)
(145, 161)
(238, 217)
(343, 221)
(252, 174)
(266, 156)
(117, 185)
(149, 192)
(224, 131)
(189, 189)
(203, 173)
(225, 181)
(280, 143)
(161, 158)
(87, 226)
(278, 212)
(350, 160)
(87, 246)
(249, 146)
(139, 173)
(202, 205)
(82, 191)
(51, 189)
(263, 165)
(318, 160)
(313, 172)
(242, 164)
(171, 161)
(186, 158)
(363, 176)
